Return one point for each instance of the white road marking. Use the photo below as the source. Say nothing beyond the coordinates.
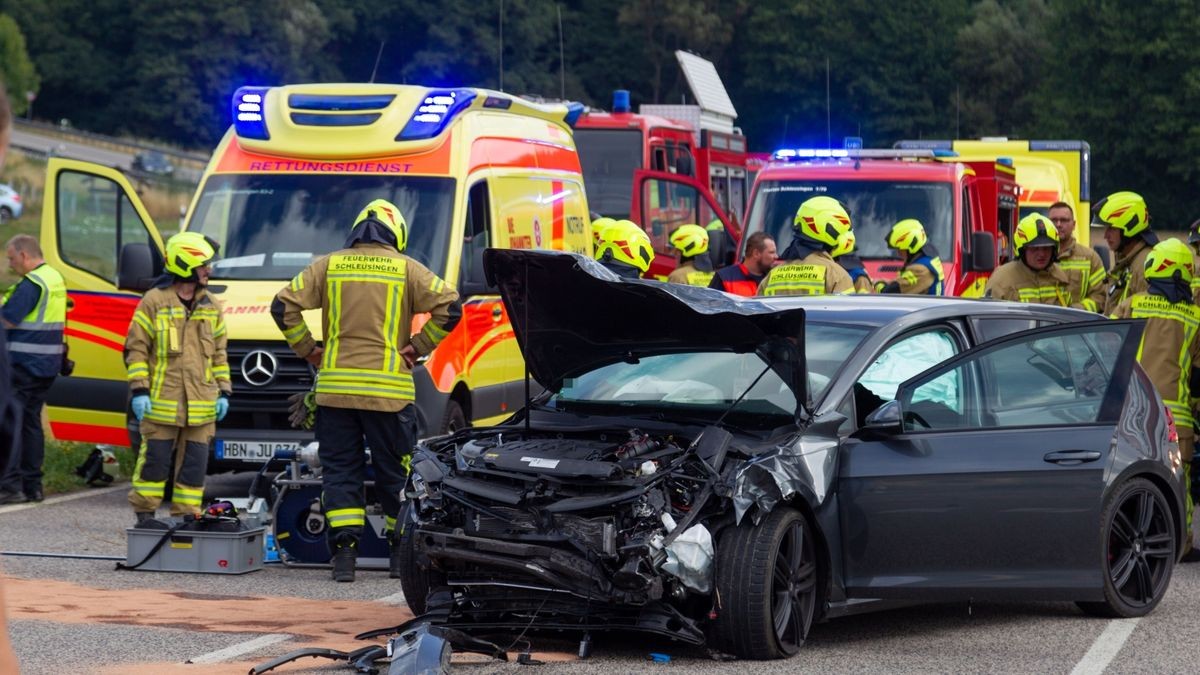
(241, 648)
(90, 492)
(393, 599)
(1106, 647)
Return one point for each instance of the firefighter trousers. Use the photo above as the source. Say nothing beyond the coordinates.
(189, 446)
(341, 433)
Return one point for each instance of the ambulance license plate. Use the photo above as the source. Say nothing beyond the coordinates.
(251, 451)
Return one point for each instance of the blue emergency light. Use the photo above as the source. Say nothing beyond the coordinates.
(249, 113)
(810, 153)
(574, 110)
(435, 111)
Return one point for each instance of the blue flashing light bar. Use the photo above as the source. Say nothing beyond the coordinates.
(436, 110)
(621, 101)
(800, 154)
(574, 110)
(248, 113)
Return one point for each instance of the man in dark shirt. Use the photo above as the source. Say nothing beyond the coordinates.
(743, 278)
(34, 312)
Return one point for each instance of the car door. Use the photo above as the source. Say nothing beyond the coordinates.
(90, 215)
(989, 483)
(664, 201)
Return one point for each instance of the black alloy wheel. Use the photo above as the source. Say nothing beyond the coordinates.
(767, 580)
(1139, 550)
(454, 418)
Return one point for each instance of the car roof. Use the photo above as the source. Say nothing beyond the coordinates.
(879, 310)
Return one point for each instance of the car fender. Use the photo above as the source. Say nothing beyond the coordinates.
(802, 467)
(431, 402)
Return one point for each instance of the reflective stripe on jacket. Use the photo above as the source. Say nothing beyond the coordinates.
(817, 274)
(179, 356)
(688, 274)
(36, 343)
(1018, 282)
(1168, 350)
(1085, 275)
(923, 275)
(1127, 277)
(368, 295)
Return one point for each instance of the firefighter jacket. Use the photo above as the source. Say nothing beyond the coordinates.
(368, 295)
(177, 356)
(1085, 275)
(736, 279)
(688, 274)
(36, 340)
(817, 274)
(1016, 281)
(922, 275)
(1127, 276)
(1168, 352)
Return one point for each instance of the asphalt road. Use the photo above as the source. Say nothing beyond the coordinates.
(25, 139)
(80, 615)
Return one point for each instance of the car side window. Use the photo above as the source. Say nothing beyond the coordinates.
(1052, 380)
(907, 357)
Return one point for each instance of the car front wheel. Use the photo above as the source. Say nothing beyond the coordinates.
(767, 578)
(1139, 550)
(416, 577)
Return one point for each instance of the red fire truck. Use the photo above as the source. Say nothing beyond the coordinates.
(669, 165)
(969, 209)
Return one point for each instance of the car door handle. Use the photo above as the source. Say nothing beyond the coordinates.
(1069, 457)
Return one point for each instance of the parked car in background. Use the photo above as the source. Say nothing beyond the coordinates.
(727, 471)
(154, 162)
(10, 203)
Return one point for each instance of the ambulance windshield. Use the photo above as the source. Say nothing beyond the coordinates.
(270, 226)
(874, 207)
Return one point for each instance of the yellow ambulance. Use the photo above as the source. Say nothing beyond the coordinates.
(470, 169)
(1048, 171)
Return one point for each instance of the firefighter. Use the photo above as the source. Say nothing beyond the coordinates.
(1170, 344)
(598, 226)
(695, 268)
(368, 293)
(844, 255)
(744, 277)
(178, 374)
(625, 249)
(810, 269)
(1127, 232)
(1083, 267)
(922, 273)
(1034, 277)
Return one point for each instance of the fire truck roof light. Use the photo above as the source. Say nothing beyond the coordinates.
(621, 101)
(435, 112)
(247, 112)
(789, 154)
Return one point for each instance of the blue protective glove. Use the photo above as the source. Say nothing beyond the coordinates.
(222, 408)
(141, 406)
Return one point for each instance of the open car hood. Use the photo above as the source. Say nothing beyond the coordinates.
(571, 316)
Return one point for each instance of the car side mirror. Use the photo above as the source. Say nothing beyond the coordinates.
(886, 419)
(983, 252)
(137, 268)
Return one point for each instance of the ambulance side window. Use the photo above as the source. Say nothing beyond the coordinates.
(476, 238)
(95, 219)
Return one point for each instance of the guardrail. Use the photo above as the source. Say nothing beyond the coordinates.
(195, 160)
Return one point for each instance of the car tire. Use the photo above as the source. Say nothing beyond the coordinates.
(454, 418)
(6, 214)
(415, 579)
(751, 622)
(1138, 550)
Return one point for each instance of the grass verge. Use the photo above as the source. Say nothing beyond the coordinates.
(62, 458)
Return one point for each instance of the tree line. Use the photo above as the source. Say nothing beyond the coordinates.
(1119, 74)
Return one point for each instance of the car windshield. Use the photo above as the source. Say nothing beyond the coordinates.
(874, 207)
(609, 157)
(708, 382)
(270, 226)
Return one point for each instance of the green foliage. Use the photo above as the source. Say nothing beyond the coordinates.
(1130, 84)
(62, 458)
(1001, 56)
(17, 73)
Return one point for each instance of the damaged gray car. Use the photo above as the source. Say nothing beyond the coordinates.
(728, 471)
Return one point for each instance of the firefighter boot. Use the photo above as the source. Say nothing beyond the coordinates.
(395, 551)
(345, 556)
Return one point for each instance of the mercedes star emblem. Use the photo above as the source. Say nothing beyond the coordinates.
(259, 368)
